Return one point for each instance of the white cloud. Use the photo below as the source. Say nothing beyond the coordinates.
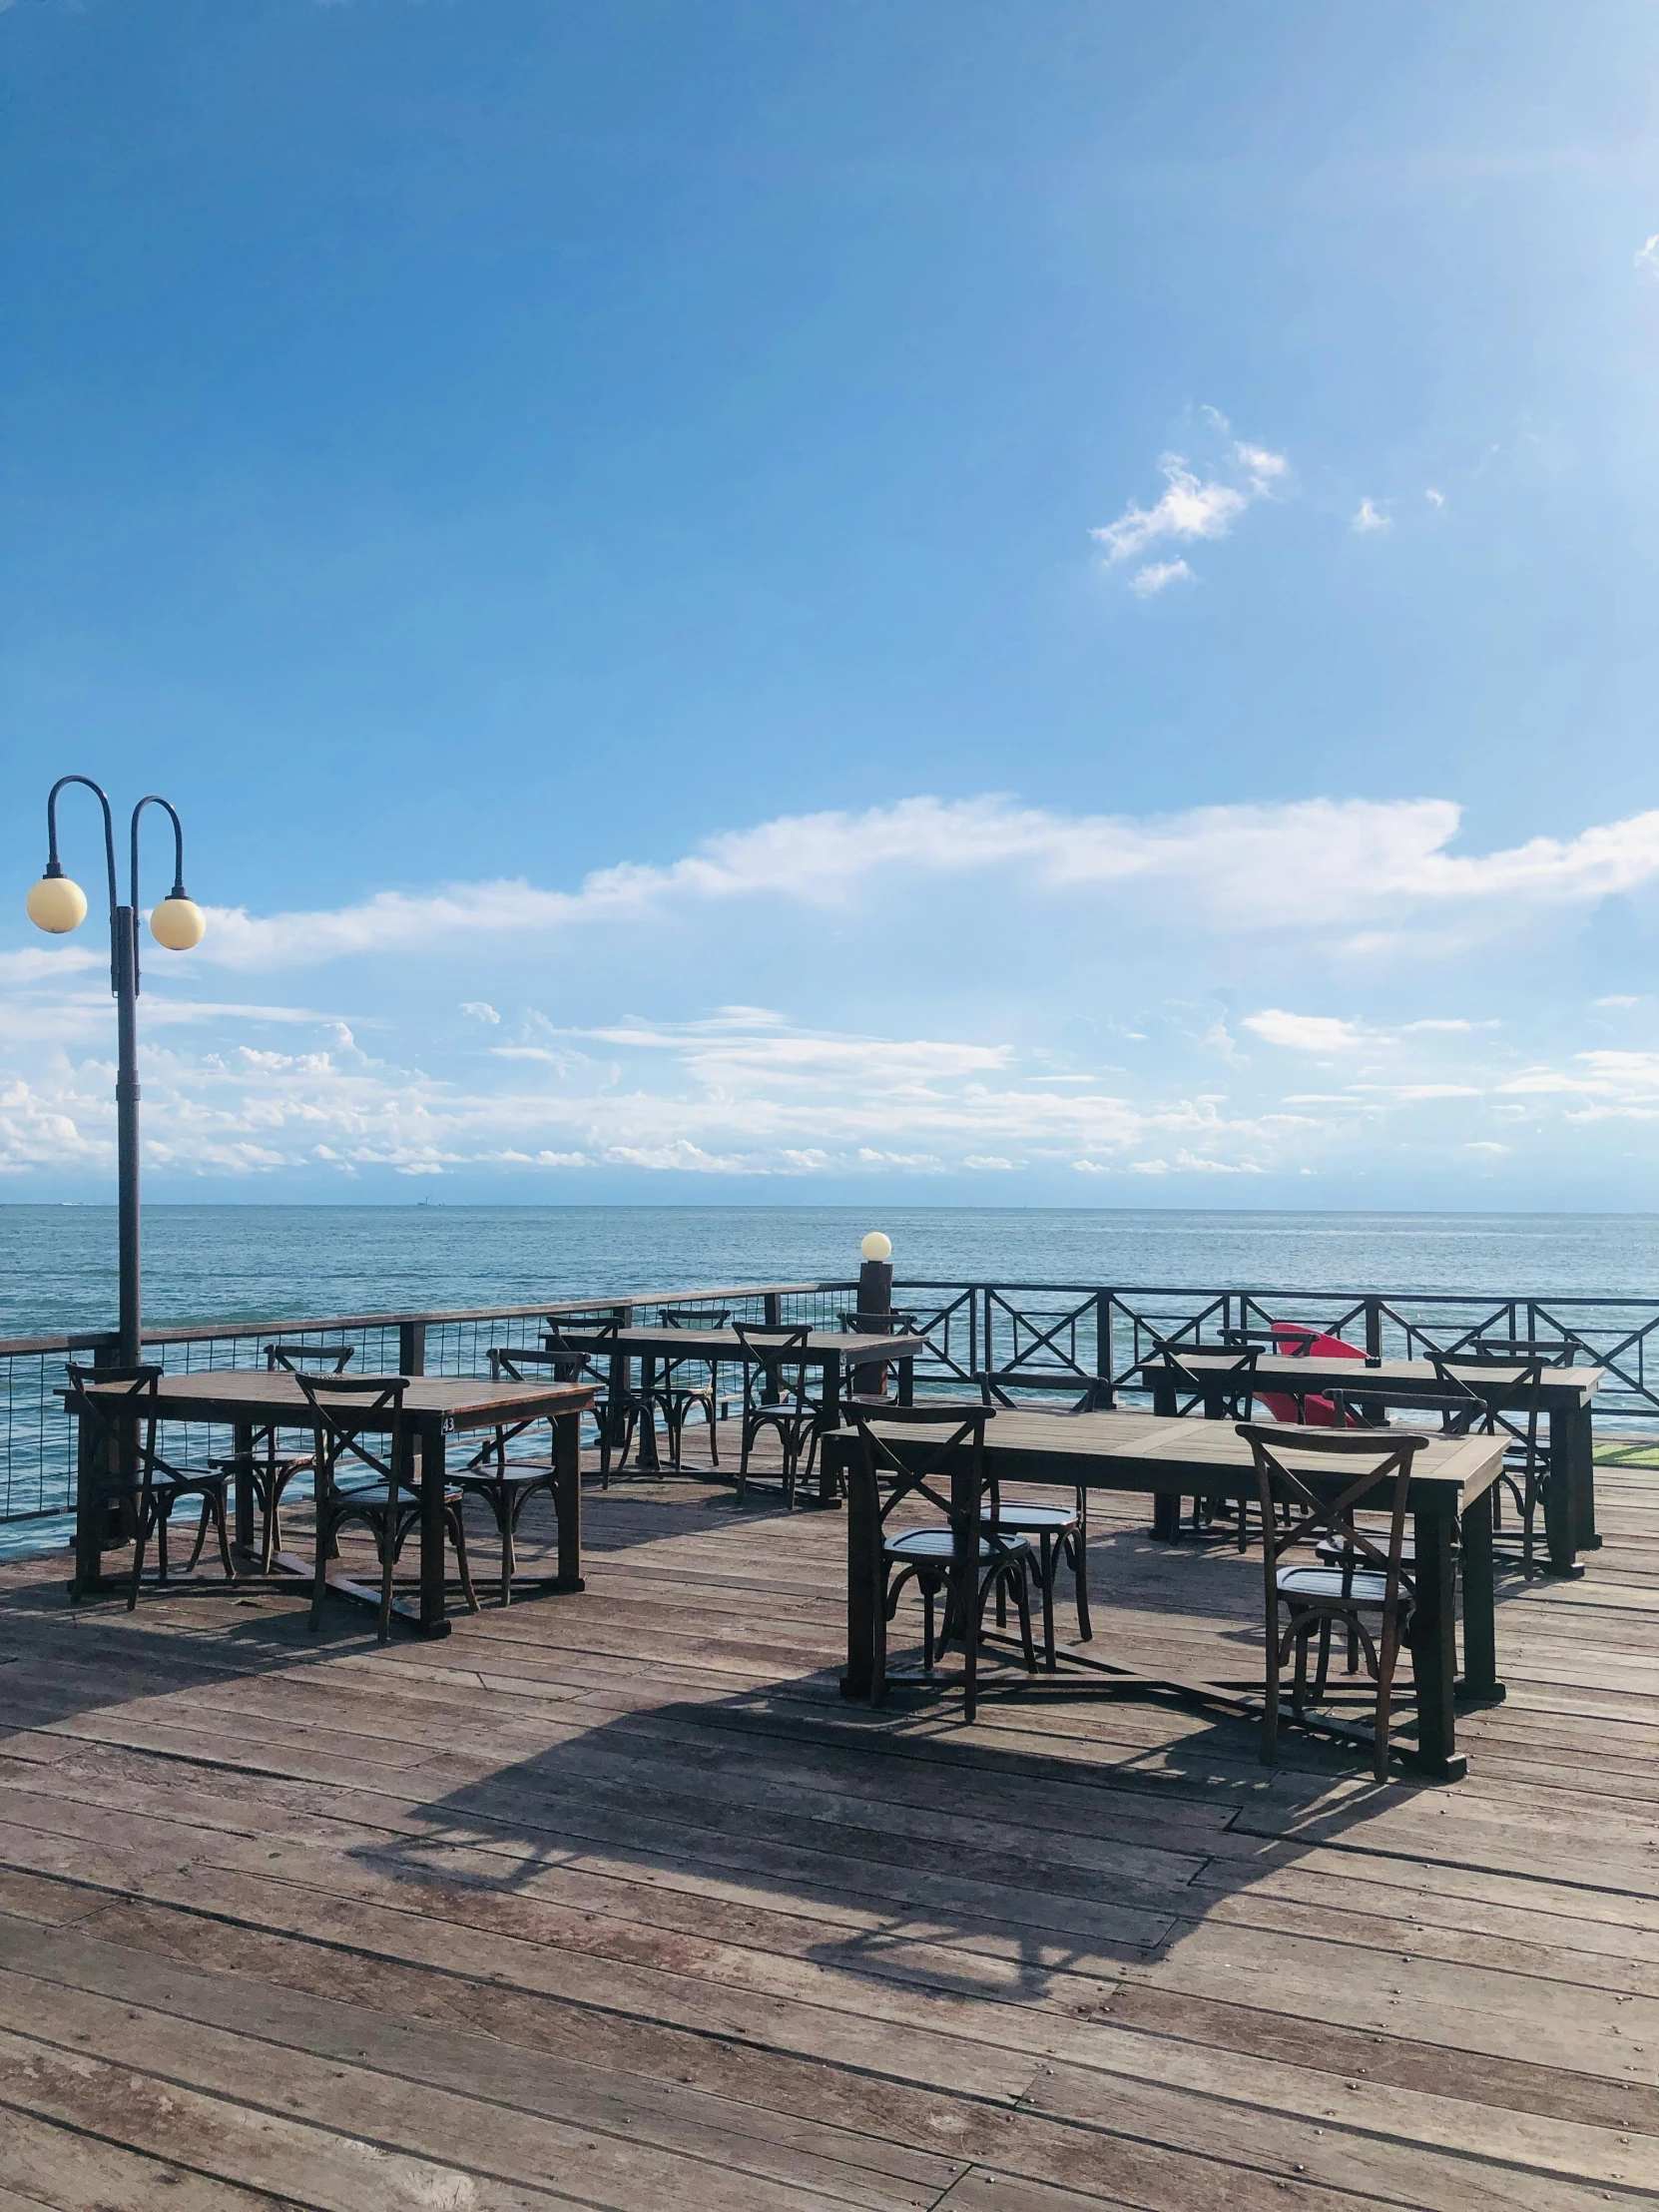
(1433, 497)
(480, 1009)
(1148, 581)
(1648, 255)
(1369, 518)
(1191, 507)
(1306, 1032)
(1316, 862)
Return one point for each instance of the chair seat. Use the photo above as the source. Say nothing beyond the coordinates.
(1324, 1586)
(938, 1543)
(1032, 1520)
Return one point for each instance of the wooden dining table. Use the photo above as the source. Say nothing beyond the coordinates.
(1449, 1501)
(830, 1350)
(1566, 1400)
(436, 1408)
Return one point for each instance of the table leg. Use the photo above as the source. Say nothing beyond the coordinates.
(567, 1497)
(1166, 1506)
(242, 1447)
(429, 1441)
(1479, 1682)
(964, 1569)
(88, 1512)
(644, 1458)
(1434, 1650)
(1562, 1495)
(908, 1381)
(832, 1420)
(865, 1623)
(1574, 1432)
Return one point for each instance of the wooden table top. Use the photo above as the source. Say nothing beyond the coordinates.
(725, 1344)
(1146, 1451)
(1395, 1378)
(258, 1395)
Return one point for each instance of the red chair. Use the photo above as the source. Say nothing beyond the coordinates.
(1298, 1341)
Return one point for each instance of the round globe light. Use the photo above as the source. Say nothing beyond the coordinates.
(177, 923)
(876, 1247)
(56, 906)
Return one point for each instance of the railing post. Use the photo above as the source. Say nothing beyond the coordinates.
(1105, 1396)
(1374, 1329)
(411, 1348)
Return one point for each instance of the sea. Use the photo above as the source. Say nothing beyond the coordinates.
(272, 1263)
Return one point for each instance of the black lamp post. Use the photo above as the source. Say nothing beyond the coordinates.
(57, 904)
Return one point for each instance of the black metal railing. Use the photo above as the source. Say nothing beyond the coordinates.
(1032, 1334)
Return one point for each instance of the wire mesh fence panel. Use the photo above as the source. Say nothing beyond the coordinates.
(1030, 1337)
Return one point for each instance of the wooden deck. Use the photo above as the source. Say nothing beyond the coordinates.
(611, 1901)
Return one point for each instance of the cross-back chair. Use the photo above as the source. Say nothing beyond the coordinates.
(386, 1499)
(1526, 1470)
(1370, 1590)
(1061, 1532)
(689, 1381)
(776, 1396)
(999, 1561)
(1231, 1390)
(505, 1479)
(267, 1468)
(616, 1404)
(128, 1426)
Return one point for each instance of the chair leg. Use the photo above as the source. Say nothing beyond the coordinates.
(1388, 1651)
(224, 1534)
(1080, 1581)
(1324, 1668)
(714, 1429)
(201, 1534)
(1270, 1687)
(457, 1536)
(507, 1521)
(139, 1532)
(1022, 1599)
(1048, 1560)
(162, 1518)
(927, 1628)
(319, 1574)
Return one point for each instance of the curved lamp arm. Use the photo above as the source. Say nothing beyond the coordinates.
(153, 798)
(54, 867)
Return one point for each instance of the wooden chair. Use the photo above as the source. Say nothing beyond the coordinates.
(345, 1409)
(269, 1470)
(927, 1555)
(616, 1405)
(506, 1480)
(1233, 1390)
(1061, 1532)
(132, 1424)
(776, 1396)
(692, 1381)
(1526, 1459)
(1372, 1582)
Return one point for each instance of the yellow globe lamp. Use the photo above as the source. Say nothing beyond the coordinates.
(57, 904)
(177, 923)
(876, 1247)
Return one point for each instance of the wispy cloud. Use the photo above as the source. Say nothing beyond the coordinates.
(1318, 861)
(1433, 497)
(1191, 507)
(1648, 255)
(1154, 578)
(1305, 1032)
(1370, 517)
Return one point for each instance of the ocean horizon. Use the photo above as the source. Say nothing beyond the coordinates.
(272, 1260)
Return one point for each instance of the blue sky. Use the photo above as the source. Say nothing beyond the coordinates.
(767, 601)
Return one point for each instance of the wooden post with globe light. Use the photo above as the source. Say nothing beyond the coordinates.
(873, 1308)
(58, 904)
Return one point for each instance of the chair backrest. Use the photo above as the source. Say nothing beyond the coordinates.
(1554, 1351)
(346, 1406)
(691, 1317)
(510, 1361)
(879, 1325)
(1228, 1377)
(1093, 1393)
(775, 1357)
(943, 1427)
(335, 1358)
(1364, 1462)
(106, 1422)
(1472, 1410)
(579, 1362)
